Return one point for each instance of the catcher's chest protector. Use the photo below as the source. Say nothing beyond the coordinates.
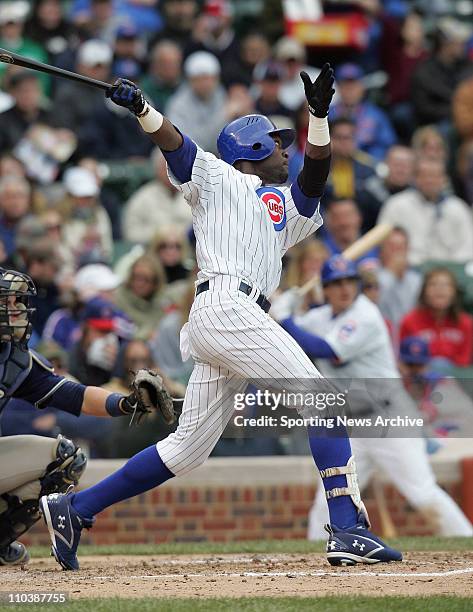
(15, 365)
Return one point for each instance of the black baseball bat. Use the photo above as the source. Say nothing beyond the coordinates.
(8, 57)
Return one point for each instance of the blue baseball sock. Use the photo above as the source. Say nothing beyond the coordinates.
(142, 472)
(332, 448)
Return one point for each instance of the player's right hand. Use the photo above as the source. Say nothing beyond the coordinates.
(125, 93)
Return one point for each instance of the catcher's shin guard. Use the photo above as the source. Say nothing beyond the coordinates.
(18, 515)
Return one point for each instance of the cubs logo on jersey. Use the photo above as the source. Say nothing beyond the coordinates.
(347, 330)
(276, 204)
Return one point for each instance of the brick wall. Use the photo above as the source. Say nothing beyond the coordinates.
(237, 499)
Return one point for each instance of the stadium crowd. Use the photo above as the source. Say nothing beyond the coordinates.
(87, 209)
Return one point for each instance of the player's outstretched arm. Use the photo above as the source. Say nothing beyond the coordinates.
(319, 94)
(160, 130)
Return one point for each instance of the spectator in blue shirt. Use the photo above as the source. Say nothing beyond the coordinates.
(374, 132)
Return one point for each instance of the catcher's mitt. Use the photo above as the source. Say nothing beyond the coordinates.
(148, 394)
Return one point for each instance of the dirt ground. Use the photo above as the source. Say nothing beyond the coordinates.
(421, 573)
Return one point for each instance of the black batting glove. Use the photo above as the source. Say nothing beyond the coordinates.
(319, 94)
(125, 93)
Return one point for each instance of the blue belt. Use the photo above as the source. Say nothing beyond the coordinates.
(262, 301)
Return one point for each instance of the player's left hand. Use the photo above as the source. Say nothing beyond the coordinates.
(148, 394)
(125, 93)
(319, 94)
(285, 305)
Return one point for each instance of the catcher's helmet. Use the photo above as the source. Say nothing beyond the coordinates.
(15, 314)
(336, 268)
(249, 138)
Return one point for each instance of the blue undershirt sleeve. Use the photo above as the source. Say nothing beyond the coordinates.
(306, 206)
(314, 346)
(182, 159)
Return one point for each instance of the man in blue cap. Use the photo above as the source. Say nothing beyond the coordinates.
(349, 340)
(374, 132)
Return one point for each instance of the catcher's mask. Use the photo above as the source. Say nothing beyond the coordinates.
(15, 313)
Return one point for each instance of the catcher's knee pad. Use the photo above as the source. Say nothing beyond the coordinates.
(19, 515)
(65, 470)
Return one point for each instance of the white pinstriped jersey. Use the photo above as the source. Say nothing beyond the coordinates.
(242, 229)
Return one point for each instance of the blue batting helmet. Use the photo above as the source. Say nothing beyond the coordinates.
(336, 268)
(249, 138)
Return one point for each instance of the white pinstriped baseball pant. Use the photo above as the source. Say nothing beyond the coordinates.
(232, 340)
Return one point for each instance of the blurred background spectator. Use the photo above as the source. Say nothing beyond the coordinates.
(140, 296)
(440, 320)
(305, 262)
(155, 204)
(292, 54)
(15, 202)
(203, 93)
(396, 176)
(165, 343)
(27, 110)
(343, 228)
(72, 107)
(88, 232)
(374, 132)
(435, 79)
(133, 356)
(164, 74)
(48, 27)
(170, 247)
(351, 170)
(399, 284)
(92, 357)
(403, 47)
(439, 224)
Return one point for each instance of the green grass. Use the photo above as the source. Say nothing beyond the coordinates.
(262, 604)
(260, 546)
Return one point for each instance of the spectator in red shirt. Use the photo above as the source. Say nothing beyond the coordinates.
(439, 320)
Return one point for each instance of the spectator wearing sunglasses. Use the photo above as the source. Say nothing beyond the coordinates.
(140, 296)
(169, 246)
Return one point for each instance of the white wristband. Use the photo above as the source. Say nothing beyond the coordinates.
(150, 119)
(318, 133)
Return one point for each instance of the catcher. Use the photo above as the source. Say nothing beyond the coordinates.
(32, 466)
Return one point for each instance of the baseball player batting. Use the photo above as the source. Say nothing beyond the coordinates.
(32, 466)
(244, 219)
(350, 341)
